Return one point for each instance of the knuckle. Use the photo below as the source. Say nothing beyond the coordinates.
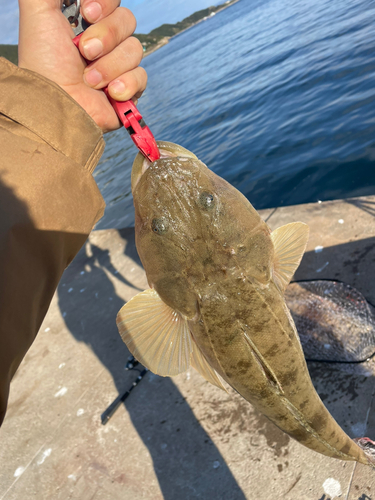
(136, 48)
(113, 33)
(130, 19)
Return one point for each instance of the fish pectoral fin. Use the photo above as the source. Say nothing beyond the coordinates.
(289, 242)
(156, 335)
(199, 362)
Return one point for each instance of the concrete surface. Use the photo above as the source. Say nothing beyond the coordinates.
(175, 439)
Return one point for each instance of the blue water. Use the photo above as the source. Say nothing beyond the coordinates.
(277, 97)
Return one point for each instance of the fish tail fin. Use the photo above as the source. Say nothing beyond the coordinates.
(368, 447)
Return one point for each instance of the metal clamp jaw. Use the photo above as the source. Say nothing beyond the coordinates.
(71, 11)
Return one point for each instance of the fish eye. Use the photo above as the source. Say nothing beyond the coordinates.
(206, 201)
(160, 225)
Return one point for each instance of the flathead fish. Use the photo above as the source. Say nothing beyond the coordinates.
(217, 276)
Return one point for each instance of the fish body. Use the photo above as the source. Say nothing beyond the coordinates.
(217, 277)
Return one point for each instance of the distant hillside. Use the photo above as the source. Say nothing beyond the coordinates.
(160, 36)
(10, 52)
(155, 39)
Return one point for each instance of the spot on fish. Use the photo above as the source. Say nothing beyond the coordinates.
(243, 366)
(318, 422)
(160, 225)
(290, 377)
(206, 201)
(274, 349)
(303, 404)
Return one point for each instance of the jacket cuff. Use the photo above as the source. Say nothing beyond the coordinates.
(46, 109)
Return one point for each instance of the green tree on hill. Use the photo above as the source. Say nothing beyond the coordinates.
(10, 52)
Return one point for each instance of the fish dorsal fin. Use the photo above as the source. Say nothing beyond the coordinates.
(199, 362)
(156, 335)
(289, 242)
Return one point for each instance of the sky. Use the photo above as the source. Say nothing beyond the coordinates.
(150, 14)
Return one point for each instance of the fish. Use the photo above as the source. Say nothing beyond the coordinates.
(217, 277)
(334, 322)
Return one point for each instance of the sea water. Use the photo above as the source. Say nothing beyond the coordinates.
(277, 97)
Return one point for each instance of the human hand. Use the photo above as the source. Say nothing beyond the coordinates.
(46, 47)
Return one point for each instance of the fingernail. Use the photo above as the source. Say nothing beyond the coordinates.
(93, 77)
(117, 88)
(92, 48)
(92, 11)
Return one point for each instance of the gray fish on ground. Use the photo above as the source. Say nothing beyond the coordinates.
(217, 276)
(334, 322)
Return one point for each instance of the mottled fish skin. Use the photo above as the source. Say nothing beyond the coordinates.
(211, 258)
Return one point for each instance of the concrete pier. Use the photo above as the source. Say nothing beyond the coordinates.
(181, 438)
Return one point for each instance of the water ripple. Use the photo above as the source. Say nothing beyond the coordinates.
(277, 97)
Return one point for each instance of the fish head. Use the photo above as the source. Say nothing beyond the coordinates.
(185, 218)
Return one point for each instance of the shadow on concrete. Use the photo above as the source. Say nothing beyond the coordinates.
(187, 463)
(351, 263)
(31, 264)
(365, 205)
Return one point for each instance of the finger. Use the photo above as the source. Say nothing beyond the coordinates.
(94, 10)
(122, 59)
(128, 86)
(102, 37)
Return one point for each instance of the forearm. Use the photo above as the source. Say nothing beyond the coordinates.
(49, 202)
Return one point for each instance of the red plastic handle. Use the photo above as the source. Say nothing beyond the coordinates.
(132, 120)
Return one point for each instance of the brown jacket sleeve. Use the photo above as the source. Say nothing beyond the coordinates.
(49, 202)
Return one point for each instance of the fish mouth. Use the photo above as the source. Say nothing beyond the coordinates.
(167, 150)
